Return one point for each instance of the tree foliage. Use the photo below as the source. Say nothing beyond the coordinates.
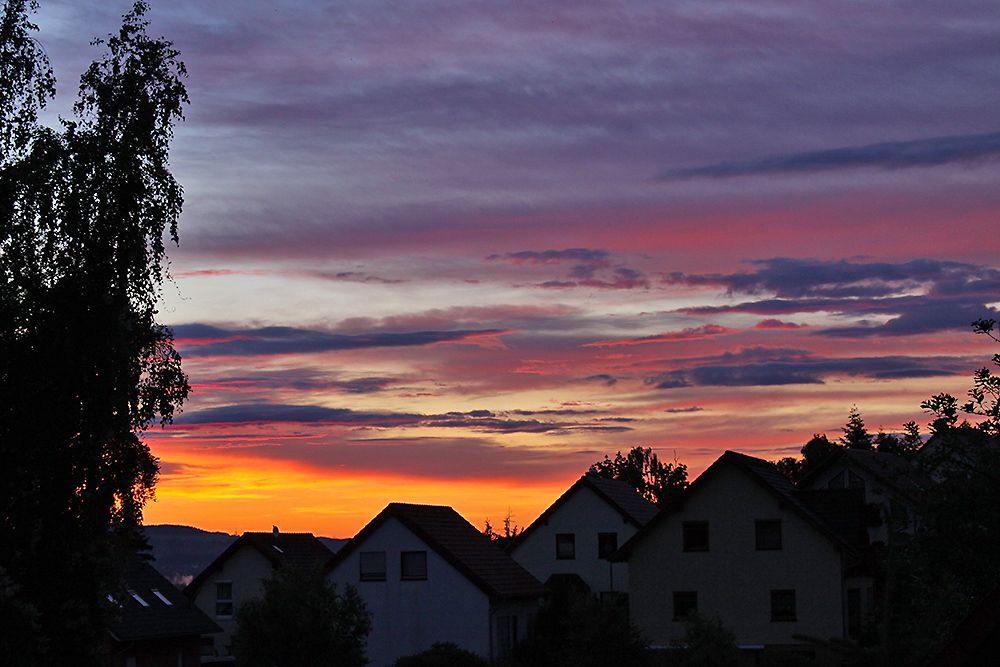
(575, 629)
(442, 654)
(856, 436)
(302, 620)
(641, 468)
(84, 367)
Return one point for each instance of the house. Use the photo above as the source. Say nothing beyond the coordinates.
(743, 544)
(427, 575)
(238, 574)
(579, 532)
(157, 626)
(890, 484)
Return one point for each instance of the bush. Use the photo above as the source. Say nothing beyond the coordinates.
(442, 654)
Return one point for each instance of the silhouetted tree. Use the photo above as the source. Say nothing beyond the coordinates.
(641, 468)
(814, 452)
(944, 407)
(442, 654)
(575, 629)
(510, 531)
(84, 368)
(984, 397)
(856, 436)
(706, 643)
(302, 620)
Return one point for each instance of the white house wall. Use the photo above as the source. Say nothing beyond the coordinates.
(246, 569)
(733, 580)
(584, 514)
(409, 616)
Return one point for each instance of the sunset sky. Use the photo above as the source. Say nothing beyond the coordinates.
(456, 251)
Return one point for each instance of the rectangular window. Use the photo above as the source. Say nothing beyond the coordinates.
(506, 635)
(607, 544)
(768, 534)
(372, 566)
(223, 599)
(695, 535)
(853, 612)
(685, 604)
(565, 546)
(413, 566)
(783, 605)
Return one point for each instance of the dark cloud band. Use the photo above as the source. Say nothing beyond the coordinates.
(886, 155)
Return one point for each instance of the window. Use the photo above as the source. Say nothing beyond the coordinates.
(695, 535)
(768, 534)
(162, 597)
(224, 599)
(607, 544)
(853, 612)
(565, 546)
(783, 605)
(372, 566)
(413, 565)
(506, 635)
(685, 604)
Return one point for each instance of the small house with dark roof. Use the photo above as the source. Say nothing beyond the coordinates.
(157, 625)
(743, 544)
(238, 574)
(574, 539)
(427, 575)
(889, 483)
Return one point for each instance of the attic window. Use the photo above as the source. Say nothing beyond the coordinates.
(695, 534)
(607, 545)
(138, 599)
(413, 566)
(565, 546)
(768, 534)
(160, 595)
(372, 566)
(223, 599)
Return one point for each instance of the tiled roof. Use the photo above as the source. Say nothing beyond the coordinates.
(157, 618)
(461, 544)
(289, 549)
(624, 497)
(621, 496)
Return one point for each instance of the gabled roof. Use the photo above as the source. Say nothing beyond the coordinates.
(768, 477)
(459, 543)
(282, 549)
(894, 471)
(620, 496)
(166, 612)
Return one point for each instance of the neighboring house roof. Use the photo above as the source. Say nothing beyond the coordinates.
(622, 497)
(163, 612)
(767, 475)
(459, 543)
(282, 549)
(893, 470)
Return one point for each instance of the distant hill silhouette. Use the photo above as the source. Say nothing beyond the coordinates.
(182, 552)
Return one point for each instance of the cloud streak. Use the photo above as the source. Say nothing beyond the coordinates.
(966, 149)
(203, 340)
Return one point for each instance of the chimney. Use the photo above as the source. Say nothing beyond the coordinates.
(274, 529)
